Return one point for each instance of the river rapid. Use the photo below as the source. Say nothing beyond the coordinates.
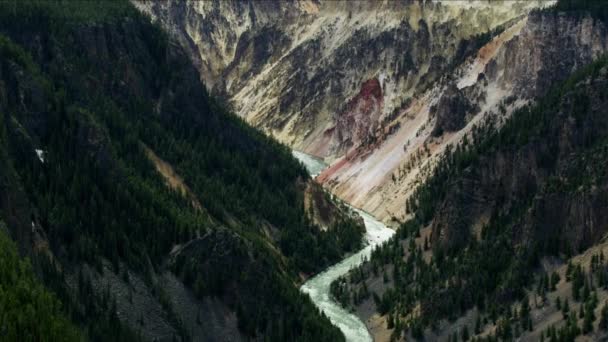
(318, 286)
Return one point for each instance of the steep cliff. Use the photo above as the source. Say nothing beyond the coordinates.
(514, 68)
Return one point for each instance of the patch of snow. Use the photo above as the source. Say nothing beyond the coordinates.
(40, 154)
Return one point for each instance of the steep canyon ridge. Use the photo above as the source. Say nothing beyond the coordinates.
(378, 88)
(305, 170)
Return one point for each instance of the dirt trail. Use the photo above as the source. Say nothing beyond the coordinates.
(172, 179)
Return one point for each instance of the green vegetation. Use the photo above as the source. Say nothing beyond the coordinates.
(595, 8)
(496, 268)
(98, 83)
(28, 311)
(586, 285)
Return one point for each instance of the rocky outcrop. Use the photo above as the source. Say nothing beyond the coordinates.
(323, 211)
(357, 123)
(451, 110)
(553, 179)
(549, 48)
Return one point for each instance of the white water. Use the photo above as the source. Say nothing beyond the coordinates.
(318, 286)
(314, 165)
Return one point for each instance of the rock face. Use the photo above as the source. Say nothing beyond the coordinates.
(562, 43)
(352, 82)
(561, 167)
(291, 68)
(358, 122)
(315, 82)
(512, 69)
(451, 110)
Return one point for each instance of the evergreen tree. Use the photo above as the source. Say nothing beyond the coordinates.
(588, 321)
(465, 333)
(554, 280)
(29, 312)
(603, 325)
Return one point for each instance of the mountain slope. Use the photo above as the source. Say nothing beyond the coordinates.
(292, 68)
(514, 68)
(29, 311)
(500, 214)
(439, 115)
(94, 98)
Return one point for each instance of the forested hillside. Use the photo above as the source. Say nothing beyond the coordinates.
(29, 311)
(96, 104)
(596, 9)
(495, 229)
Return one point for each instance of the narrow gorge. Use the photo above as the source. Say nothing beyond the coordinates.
(359, 86)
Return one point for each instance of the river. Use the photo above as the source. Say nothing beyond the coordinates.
(318, 286)
(313, 164)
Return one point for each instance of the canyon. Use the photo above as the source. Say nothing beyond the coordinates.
(306, 170)
(368, 86)
(381, 92)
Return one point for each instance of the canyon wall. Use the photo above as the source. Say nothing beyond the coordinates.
(378, 89)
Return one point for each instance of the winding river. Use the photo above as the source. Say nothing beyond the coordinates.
(318, 286)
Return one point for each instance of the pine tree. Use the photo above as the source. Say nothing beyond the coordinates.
(477, 325)
(465, 333)
(569, 271)
(566, 309)
(604, 318)
(588, 322)
(577, 282)
(554, 280)
(586, 291)
(552, 334)
(524, 315)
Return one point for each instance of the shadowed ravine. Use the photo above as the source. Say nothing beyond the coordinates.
(318, 287)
